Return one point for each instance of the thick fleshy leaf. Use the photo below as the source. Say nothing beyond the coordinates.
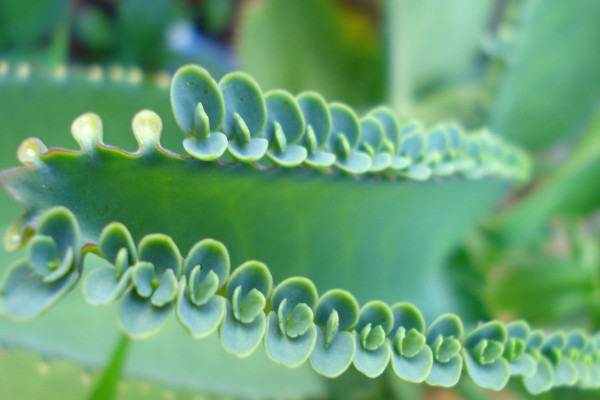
(407, 316)
(24, 294)
(296, 322)
(60, 224)
(320, 159)
(343, 303)
(144, 278)
(211, 255)
(139, 319)
(206, 149)
(199, 321)
(251, 277)
(243, 96)
(241, 339)
(380, 162)
(417, 172)
(355, 163)
(371, 134)
(191, 85)
(447, 325)
(202, 289)
(114, 237)
(294, 291)
(316, 115)
(565, 373)
(372, 363)
(287, 351)
(333, 359)
(66, 265)
(162, 252)
(166, 291)
(415, 368)
(524, 365)
(43, 255)
(375, 313)
(101, 286)
(492, 375)
(253, 151)
(292, 155)
(388, 121)
(445, 374)
(542, 379)
(343, 121)
(486, 342)
(283, 109)
(413, 146)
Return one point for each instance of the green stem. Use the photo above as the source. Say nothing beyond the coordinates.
(106, 388)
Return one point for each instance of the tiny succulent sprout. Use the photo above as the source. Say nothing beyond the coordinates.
(443, 337)
(104, 285)
(520, 361)
(373, 350)
(199, 111)
(206, 268)
(32, 285)
(336, 314)
(291, 332)
(373, 143)
(345, 139)
(245, 116)
(412, 359)
(318, 129)
(284, 129)
(245, 323)
(483, 352)
(147, 305)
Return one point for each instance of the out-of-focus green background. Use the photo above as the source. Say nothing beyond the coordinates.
(527, 69)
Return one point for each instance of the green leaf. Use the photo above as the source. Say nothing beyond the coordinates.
(285, 350)
(241, 339)
(445, 374)
(333, 358)
(139, 318)
(492, 375)
(243, 97)
(101, 286)
(166, 291)
(542, 379)
(415, 368)
(113, 238)
(211, 256)
(199, 320)
(343, 303)
(162, 252)
(372, 363)
(192, 85)
(25, 295)
(248, 288)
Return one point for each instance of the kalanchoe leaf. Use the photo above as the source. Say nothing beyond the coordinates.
(43, 255)
(242, 96)
(115, 237)
(166, 291)
(442, 336)
(61, 225)
(372, 141)
(144, 279)
(292, 292)
(246, 309)
(316, 115)
(161, 251)
(199, 320)
(391, 129)
(415, 368)
(244, 147)
(372, 363)
(66, 265)
(287, 351)
(542, 379)
(413, 147)
(24, 294)
(332, 327)
(333, 358)
(202, 289)
(412, 343)
(298, 321)
(208, 149)
(344, 140)
(283, 109)
(139, 319)
(486, 342)
(192, 85)
(241, 339)
(343, 303)
(491, 375)
(248, 288)
(102, 286)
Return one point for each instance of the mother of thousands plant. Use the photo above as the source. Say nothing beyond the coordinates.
(292, 234)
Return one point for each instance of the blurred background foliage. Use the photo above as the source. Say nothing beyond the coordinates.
(528, 69)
